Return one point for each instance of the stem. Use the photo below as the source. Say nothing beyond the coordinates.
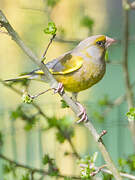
(129, 94)
(53, 83)
(31, 169)
(48, 46)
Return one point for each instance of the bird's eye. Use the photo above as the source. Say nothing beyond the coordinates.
(101, 43)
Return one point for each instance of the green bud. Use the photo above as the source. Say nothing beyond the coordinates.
(26, 98)
(51, 28)
(131, 114)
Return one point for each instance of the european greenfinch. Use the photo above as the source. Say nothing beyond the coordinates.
(78, 69)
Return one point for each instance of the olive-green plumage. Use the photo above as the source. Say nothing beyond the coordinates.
(81, 67)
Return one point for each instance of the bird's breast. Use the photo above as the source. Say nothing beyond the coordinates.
(88, 75)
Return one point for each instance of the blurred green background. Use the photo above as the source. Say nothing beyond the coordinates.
(75, 20)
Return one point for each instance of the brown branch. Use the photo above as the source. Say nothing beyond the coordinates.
(53, 83)
(44, 54)
(129, 93)
(34, 170)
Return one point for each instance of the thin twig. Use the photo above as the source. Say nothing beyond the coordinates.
(53, 83)
(98, 170)
(129, 93)
(50, 42)
(39, 94)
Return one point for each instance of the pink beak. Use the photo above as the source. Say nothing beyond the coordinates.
(109, 41)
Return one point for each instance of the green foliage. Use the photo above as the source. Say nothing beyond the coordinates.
(131, 114)
(9, 168)
(52, 168)
(131, 162)
(64, 127)
(87, 165)
(25, 177)
(107, 176)
(30, 120)
(104, 101)
(51, 28)
(127, 163)
(27, 98)
(87, 22)
(46, 159)
(98, 116)
(64, 104)
(52, 3)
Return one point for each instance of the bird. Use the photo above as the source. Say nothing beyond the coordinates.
(78, 69)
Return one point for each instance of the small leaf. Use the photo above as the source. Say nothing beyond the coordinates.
(52, 3)
(51, 29)
(60, 137)
(64, 104)
(131, 114)
(87, 22)
(46, 159)
(26, 98)
(7, 169)
(25, 177)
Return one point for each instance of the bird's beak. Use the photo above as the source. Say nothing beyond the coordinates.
(109, 41)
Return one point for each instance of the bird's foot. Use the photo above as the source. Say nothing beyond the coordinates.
(82, 115)
(59, 89)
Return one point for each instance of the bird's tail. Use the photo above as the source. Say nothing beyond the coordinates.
(26, 76)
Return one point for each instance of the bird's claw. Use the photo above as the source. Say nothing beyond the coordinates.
(59, 89)
(82, 115)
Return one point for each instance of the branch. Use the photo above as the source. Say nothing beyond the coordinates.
(34, 170)
(124, 175)
(53, 83)
(129, 94)
(44, 116)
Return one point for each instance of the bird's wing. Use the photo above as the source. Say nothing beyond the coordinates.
(65, 64)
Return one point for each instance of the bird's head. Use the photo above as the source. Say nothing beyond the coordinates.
(95, 46)
(102, 41)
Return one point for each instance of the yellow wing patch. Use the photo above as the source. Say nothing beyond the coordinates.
(68, 66)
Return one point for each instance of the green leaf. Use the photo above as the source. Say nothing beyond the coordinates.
(46, 159)
(25, 177)
(64, 104)
(122, 162)
(27, 99)
(131, 114)
(87, 22)
(7, 169)
(98, 116)
(28, 127)
(52, 3)
(51, 28)
(60, 137)
(104, 101)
